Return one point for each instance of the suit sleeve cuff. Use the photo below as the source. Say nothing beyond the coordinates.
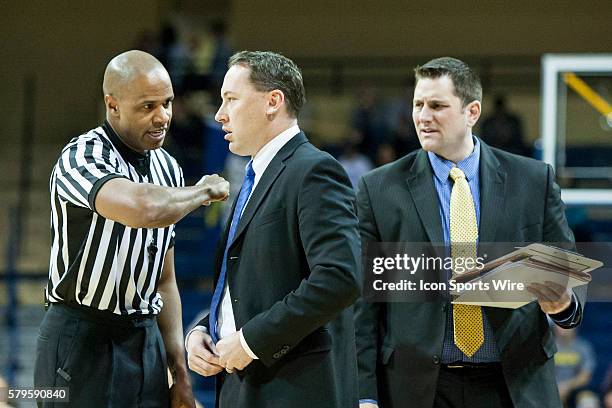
(568, 314)
(198, 328)
(368, 401)
(246, 347)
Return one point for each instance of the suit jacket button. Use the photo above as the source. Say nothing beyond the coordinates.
(436, 360)
(276, 356)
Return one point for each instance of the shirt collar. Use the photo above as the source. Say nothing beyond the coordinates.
(265, 155)
(469, 165)
(139, 161)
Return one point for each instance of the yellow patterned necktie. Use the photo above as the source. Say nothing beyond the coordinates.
(467, 319)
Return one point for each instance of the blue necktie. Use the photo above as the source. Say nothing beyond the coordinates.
(245, 191)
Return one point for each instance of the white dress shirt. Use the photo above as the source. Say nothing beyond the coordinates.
(226, 323)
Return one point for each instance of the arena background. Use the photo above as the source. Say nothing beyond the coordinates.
(356, 57)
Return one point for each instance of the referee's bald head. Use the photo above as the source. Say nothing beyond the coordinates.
(126, 67)
(138, 97)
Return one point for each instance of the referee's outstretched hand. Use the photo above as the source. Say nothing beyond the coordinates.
(217, 188)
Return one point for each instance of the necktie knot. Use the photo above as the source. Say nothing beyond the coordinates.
(456, 174)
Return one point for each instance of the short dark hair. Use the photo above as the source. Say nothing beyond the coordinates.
(466, 82)
(271, 71)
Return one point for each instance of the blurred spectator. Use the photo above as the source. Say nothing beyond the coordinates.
(221, 53)
(587, 399)
(402, 127)
(201, 53)
(504, 129)
(607, 399)
(607, 388)
(211, 52)
(574, 363)
(368, 118)
(3, 394)
(175, 56)
(385, 154)
(187, 138)
(356, 164)
(147, 42)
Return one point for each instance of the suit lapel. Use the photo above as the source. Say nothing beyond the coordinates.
(274, 169)
(492, 193)
(423, 193)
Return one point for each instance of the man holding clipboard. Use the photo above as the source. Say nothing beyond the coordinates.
(458, 189)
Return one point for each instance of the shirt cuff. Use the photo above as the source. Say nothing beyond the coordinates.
(246, 347)
(368, 401)
(198, 328)
(567, 314)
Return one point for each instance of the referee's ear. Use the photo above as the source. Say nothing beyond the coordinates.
(111, 105)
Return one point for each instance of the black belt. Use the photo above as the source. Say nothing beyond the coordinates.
(105, 316)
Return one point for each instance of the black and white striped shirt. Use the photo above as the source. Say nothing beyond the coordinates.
(95, 261)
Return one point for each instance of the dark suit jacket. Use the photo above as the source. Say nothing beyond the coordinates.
(292, 273)
(399, 345)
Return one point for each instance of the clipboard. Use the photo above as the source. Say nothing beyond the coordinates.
(535, 263)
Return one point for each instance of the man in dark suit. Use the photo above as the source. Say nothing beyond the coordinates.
(279, 333)
(413, 354)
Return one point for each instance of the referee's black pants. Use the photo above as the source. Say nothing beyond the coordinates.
(472, 387)
(105, 360)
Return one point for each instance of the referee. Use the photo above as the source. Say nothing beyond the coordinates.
(114, 322)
